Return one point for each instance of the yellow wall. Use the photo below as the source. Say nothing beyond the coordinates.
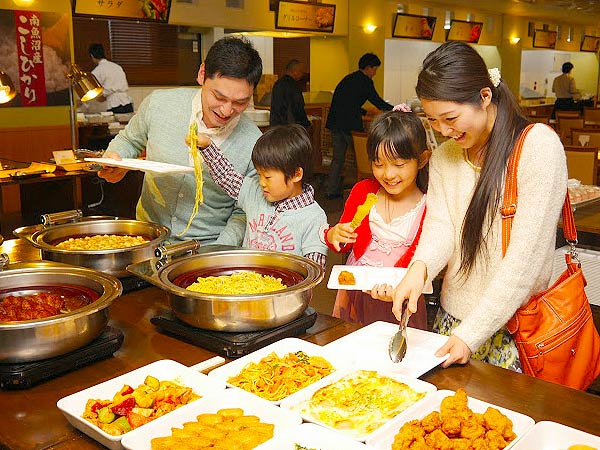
(254, 16)
(36, 116)
(328, 62)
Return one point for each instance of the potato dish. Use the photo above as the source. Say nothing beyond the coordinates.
(456, 426)
(101, 242)
(131, 408)
(227, 429)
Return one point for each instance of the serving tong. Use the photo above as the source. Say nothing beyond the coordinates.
(397, 347)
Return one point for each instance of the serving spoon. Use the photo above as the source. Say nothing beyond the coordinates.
(397, 346)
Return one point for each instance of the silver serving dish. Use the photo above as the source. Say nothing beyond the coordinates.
(113, 261)
(234, 312)
(33, 340)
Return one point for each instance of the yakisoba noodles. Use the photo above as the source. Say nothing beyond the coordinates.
(197, 159)
(237, 283)
(274, 378)
(101, 242)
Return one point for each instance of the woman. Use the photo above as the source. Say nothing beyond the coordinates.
(462, 230)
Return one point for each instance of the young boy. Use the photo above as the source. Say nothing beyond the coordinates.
(281, 211)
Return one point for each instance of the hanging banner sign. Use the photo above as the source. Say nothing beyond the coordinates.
(152, 10)
(294, 15)
(31, 58)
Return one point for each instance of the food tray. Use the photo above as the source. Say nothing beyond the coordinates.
(142, 164)
(281, 348)
(296, 401)
(369, 348)
(384, 437)
(366, 277)
(73, 405)
(312, 436)
(555, 436)
(283, 420)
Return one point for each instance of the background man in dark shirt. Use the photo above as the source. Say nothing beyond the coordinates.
(287, 103)
(346, 114)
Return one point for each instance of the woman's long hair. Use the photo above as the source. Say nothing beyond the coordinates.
(455, 72)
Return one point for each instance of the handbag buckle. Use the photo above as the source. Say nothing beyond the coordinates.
(508, 210)
(573, 251)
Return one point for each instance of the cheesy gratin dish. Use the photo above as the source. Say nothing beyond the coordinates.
(101, 242)
(360, 402)
(237, 283)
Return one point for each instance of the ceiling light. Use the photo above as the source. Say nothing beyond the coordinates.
(514, 40)
(369, 28)
(448, 19)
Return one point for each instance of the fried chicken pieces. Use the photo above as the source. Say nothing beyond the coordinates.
(456, 427)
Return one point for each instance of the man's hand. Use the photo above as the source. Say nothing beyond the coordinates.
(112, 174)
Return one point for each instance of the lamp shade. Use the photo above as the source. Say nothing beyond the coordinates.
(85, 84)
(7, 88)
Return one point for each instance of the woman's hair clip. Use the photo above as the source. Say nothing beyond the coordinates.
(402, 107)
(494, 74)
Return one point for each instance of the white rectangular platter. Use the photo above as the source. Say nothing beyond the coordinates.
(555, 436)
(283, 420)
(281, 348)
(142, 164)
(368, 347)
(366, 277)
(312, 436)
(73, 405)
(297, 401)
(383, 438)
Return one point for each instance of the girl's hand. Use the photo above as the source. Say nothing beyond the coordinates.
(410, 288)
(383, 292)
(457, 351)
(342, 233)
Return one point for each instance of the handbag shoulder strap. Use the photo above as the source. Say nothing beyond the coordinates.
(509, 204)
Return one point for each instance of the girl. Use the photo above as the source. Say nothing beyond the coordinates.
(481, 290)
(397, 149)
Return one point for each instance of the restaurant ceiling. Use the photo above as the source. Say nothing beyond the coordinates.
(576, 12)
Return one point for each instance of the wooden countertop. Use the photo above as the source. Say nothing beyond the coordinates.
(32, 420)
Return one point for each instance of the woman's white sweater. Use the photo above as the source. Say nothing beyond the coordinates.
(489, 296)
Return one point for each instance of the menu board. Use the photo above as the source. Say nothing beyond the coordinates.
(413, 26)
(151, 10)
(590, 44)
(461, 30)
(544, 39)
(296, 15)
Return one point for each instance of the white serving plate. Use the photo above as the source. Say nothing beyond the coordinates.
(384, 437)
(142, 164)
(555, 436)
(314, 436)
(230, 398)
(73, 405)
(281, 348)
(366, 277)
(369, 347)
(296, 401)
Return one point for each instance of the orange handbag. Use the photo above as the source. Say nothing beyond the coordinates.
(554, 332)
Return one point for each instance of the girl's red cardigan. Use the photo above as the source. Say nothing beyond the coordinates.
(357, 197)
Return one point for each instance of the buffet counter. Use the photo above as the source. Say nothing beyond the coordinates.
(32, 420)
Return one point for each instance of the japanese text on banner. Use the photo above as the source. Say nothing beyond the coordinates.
(31, 58)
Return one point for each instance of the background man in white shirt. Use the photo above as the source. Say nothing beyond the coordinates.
(112, 78)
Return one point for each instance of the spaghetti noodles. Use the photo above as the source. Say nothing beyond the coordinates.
(197, 159)
(274, 378)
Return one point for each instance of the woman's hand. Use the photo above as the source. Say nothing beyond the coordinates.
(457, 351)
(410, 288)
(383, 292)
(342, 233)
(112, 174)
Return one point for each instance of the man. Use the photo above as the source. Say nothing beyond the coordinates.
(346, 113)
(112, 78)
(564, 88)
(287, 103)
(228, 76)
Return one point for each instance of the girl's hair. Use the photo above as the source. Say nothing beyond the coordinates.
(455, 72)
(399, 135)
(285, 148)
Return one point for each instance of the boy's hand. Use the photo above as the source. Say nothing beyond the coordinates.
(342, 233)
(202, 141)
